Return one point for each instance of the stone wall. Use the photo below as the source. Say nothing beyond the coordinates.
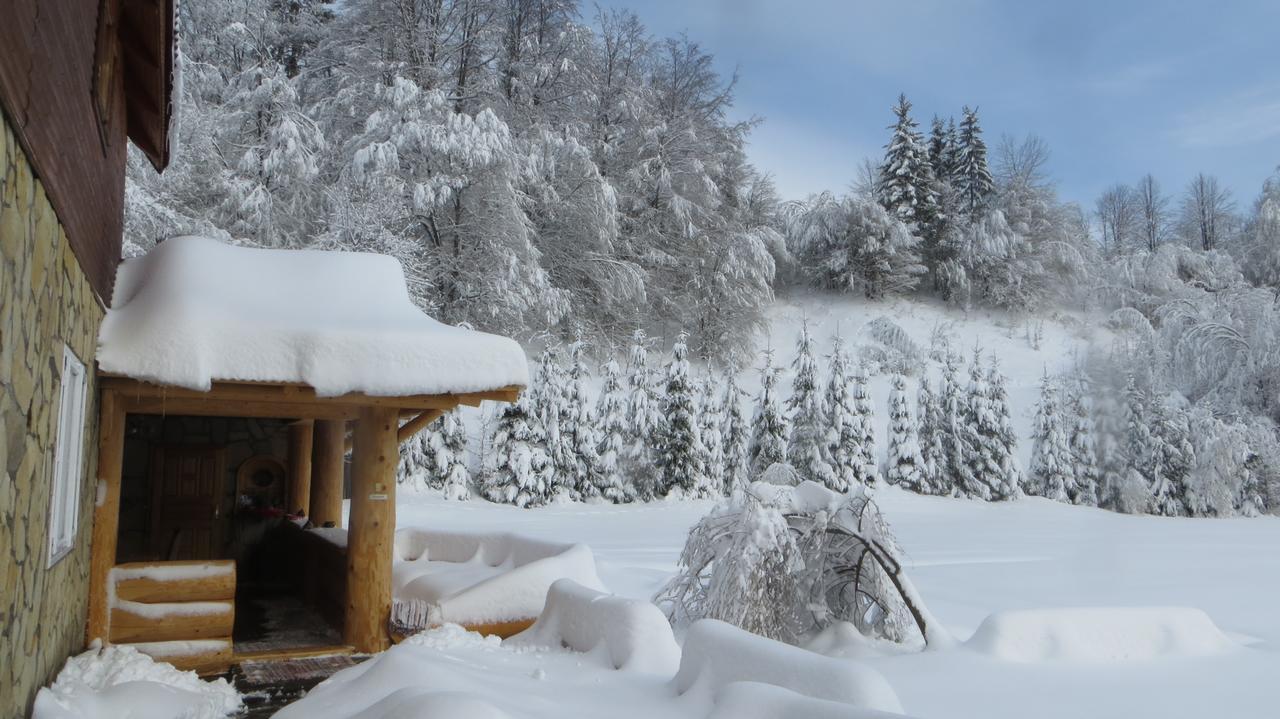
(45, 302)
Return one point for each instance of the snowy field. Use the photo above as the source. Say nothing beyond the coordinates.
(970, 559)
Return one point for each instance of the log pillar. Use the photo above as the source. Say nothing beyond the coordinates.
(328, 448)
(371, 533)
(300, 467)
(106, 515)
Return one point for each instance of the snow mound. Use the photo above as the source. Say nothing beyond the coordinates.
(632, 634)
(754, 700)
(416, 703)
(1101, 634)
(118, 680)
(477, 578)
(195, 310)
(717, 655)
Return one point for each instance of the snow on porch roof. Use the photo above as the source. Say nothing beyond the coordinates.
(195, 310)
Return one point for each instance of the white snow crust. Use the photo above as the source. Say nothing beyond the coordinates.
(119, 681)
(472, 578)
(633, 634)
(195, 310)
(1099, 634)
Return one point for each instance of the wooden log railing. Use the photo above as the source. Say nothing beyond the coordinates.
(178, 612)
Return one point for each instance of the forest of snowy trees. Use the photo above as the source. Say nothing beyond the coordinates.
(553, 172)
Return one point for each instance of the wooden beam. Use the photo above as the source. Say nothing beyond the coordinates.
(147, 581)
(300, 448)
(293, 393)
(217, 407)
(417, 424)
(106, 515)
(326, 472)
(372, 529)
(168, 622)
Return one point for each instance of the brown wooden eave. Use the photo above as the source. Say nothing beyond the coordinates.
(148, 40)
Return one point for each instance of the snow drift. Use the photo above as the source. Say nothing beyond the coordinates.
(477, 578)
(119, 681)
(718, 655)
(1111, 634)
(631, 633)
(195, 310)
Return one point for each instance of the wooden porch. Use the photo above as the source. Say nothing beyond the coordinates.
(184, 610)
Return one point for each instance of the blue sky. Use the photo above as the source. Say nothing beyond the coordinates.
(1117, 89)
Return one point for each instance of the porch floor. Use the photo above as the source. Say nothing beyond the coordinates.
(272, 621)
(270, 685)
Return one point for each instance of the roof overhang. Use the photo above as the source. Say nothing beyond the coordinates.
(149, 48)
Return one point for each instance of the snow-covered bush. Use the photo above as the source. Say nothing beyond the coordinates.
(786, 561)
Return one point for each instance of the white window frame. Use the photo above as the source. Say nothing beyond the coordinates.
(68, 462)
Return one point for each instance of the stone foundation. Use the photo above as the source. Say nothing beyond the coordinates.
(45, 302)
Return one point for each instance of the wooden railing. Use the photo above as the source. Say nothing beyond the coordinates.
(178, 612)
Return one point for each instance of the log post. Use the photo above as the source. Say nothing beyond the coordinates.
(106, 515)
(372, 529)
(326, 472)
(300, 467)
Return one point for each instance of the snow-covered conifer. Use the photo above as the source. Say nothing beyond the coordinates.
(1173, 460)
(548, 404)
(449, 448)
(958, 435)
(769, 431)
(611, 414)
(522, 473)
(711, 428)
(866, 468)
(932, 436)
(578, 428)
(905, 466)
(1051, 473)
(906, 178)
(807, 415)
(681, 457)
(644, 415)
(843, 437)
(1130, 489)
(973, 177)
(1084, 453)
(736, 435)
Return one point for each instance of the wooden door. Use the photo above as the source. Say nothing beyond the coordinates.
(186, 507)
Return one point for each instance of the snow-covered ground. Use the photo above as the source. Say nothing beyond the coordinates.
(970, 559)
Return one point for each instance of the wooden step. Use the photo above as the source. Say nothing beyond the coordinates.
(175, 581)
(160, 622)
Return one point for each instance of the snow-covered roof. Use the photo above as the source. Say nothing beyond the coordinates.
(195, 310)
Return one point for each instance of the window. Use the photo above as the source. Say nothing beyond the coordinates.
(64, 506)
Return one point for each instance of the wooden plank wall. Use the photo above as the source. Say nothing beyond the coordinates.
(47, 51)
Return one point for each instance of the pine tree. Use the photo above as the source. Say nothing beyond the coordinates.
(710, 426)
(932, 434)
(905, 466)
(956, 432)
(414, 469)
(736, 435)
(611, 414)
(807, 451)
(940, 151)
(843, 439)
(1084, 453)
(1173, 459)
(906, 178)
(681, 457)
(973, 177)
(769, 431)
(1129, 491)
(522, 473)
(866, 468)
(1051, 458)
(449, 447)
(548, 402)
(642, 411)
(1003, 438)
(578, 427)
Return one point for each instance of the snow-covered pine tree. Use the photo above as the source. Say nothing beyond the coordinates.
(548, 403)
(842, 436)
(681, 457)
(1130, 490)
(449, 450)
(973, 177)
(769, 431)
(940, 151)
(736, 435)
(522, 472)
(905, 187)
(958, 435)
(932, 429)
(1004, 437)
(1078, 420)
(1173, 459)
(414, 470)
(866, 469)
(644, 417)
(611, 415)
(711, 428)
(1051, 473)
(807, 451)
(578, 427)
(905, 466)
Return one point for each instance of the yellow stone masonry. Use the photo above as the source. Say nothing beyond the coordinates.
(45, 302)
